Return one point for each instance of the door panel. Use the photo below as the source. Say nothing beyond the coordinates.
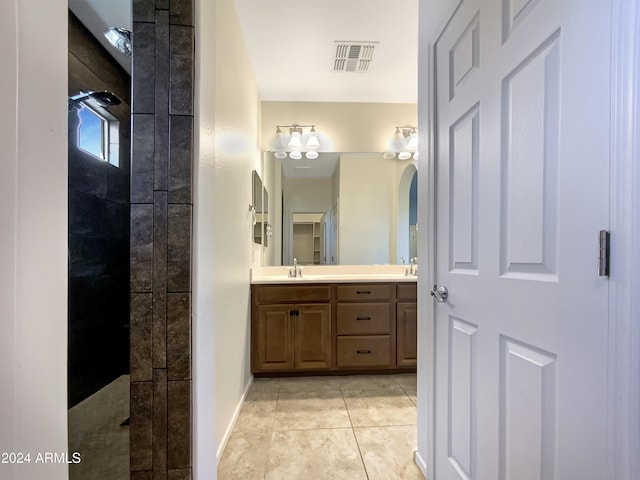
(462, 399)
(529, 174)
(522, 135)
(406, 334)
(274, 336)
(463, 185)
(313, 336)
(527, 411)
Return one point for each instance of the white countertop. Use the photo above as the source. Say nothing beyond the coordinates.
(333, 274)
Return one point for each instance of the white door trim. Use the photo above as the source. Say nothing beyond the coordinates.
(425, 452)
(624, 313)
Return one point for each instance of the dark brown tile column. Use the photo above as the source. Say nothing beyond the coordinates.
(161, 239)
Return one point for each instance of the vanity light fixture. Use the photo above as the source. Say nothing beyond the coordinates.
(404, 143)
(297, 131)
(297, 143)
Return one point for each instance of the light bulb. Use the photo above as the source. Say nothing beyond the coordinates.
(311, 155)
(404, 155)
(294, 143)
(295, 155)
(280, 155)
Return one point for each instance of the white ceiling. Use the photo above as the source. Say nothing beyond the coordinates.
(291, 48)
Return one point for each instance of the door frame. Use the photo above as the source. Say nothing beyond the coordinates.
(624, 307)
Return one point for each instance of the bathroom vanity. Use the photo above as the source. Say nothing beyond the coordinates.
(333, 320)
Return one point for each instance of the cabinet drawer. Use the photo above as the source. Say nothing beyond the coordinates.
(292, 293)
(364, 351)
(363, 292)
(407, 292)
(363, 318)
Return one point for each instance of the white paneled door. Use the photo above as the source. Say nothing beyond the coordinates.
(522, 140)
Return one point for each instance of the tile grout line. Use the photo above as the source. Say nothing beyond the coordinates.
(353, 432)
(273, 431)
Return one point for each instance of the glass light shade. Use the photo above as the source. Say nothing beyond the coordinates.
(295, 143)
(313, 142)
(404, 155)
(280, 155)
(412, 146)
(295, 155)
(388, 155)
(399, 142)
(311, 155)
(415, 156)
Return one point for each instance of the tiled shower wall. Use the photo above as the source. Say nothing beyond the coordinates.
(161, 225)
(98, 298)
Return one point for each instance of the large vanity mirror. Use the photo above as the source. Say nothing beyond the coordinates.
(341, 208)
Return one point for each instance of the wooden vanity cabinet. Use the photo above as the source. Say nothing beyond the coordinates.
(332, 327)
(291, 336)
(365, 326)
(407, 325)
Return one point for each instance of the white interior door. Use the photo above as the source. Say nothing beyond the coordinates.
(522, 138)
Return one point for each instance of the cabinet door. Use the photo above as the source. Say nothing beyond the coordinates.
(312, 336)
(406, 334)
(274, 342)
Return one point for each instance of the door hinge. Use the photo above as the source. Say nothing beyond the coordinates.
(603, 254)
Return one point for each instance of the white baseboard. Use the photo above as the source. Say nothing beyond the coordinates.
(417, 458)
(232, 423)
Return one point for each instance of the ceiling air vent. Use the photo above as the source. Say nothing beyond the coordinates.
(353, 56)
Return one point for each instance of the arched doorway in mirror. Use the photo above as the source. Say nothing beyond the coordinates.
(407, 223)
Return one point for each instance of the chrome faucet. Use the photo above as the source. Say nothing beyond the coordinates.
(414, 266)
(295, 271)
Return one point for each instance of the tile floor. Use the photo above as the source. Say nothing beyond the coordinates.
(95, 432)
(352, 428)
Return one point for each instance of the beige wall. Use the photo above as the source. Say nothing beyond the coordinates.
(342, 127)
(237, 114)
(367, 206)
(228, 151)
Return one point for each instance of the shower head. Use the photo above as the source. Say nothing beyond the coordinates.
(102, 99)
(105, 99)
